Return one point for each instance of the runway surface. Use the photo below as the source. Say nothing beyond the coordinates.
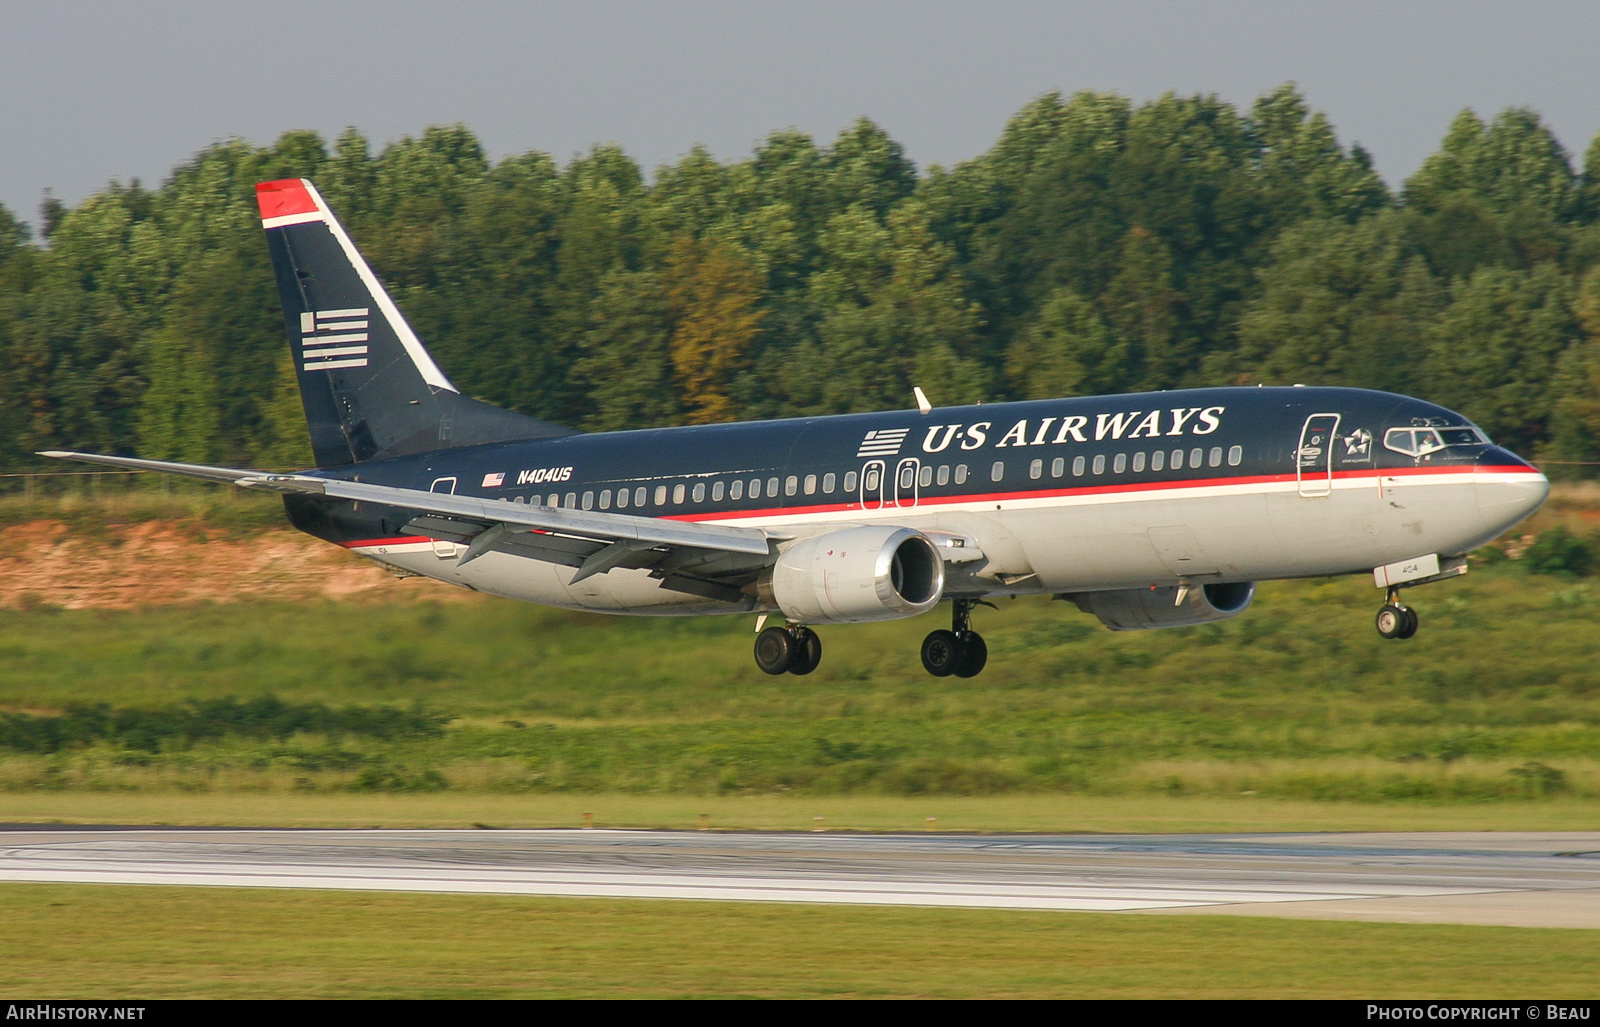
(1513, 878)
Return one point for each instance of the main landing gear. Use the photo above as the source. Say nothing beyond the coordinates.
(1395, 619)
(959, 651)
(788, 650)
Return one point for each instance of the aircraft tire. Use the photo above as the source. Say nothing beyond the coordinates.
(974, 655)
(941, 653)
(807, 651)
(1391, 621)
(775, 649)
(1409, 628)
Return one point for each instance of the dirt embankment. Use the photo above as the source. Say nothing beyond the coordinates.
(156, 563)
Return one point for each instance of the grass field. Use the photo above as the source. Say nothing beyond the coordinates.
(1028, 812)
(65, 941)
(1494, 706)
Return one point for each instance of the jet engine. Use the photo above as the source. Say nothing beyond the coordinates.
(857, 574)
(1134, 609)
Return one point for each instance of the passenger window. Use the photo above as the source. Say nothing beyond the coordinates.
(736, 490)
(1138, 462)
(1177, 459)
(1120, 464)
(755, 488)
(961, 474)
(588, 500)
(519, 499)
(1058, 467)
(998, 471)
(1235, 456)
(554, 500)
(572, 500)
(1077, 467)
(1214, 458)
(811, 484)
(772, 487)
(638, 496)
(908, 477)
(791, 485)
(850, 481)
(1100, 464)
(828, 481)
(1158, 459)
(661, 495)
(716, 491)
(944, 474)
(925, 476)
(622, 499)
(1036, 469)
(677, 493)
(605, 499)
(699, 492)
(1195, 456)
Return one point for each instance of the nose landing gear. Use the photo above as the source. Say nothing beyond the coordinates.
(788, 650)
(959, 651)
(1396, 620)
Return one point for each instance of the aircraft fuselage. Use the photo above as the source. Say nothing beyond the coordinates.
(1060, 496)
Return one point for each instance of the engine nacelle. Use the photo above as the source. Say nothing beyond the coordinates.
(854, 575)
(1134, 609)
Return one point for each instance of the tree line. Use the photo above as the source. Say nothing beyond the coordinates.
(1099, 246)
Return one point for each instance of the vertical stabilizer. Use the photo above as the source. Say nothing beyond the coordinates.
(370, 387)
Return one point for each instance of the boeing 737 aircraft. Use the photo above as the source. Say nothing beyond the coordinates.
(1152, 510)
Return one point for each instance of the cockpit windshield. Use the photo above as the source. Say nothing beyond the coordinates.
(1422, 441)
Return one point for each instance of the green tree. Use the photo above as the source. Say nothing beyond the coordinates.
(1341, 304)
(624, 363)
(892, 309)
(1494, 352)
(1067, 351)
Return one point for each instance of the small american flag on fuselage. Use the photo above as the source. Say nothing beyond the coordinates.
(883, 442)
(495, 480)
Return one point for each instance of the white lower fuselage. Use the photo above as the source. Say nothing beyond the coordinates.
(1087, 539)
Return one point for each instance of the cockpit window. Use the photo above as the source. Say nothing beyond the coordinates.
(1422, 441)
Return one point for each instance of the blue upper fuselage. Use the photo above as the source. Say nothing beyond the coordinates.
(907, 459)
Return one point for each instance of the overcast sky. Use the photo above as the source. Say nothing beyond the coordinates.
(95, 91)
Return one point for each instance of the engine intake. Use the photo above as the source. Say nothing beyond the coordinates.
(858, 574)
(1135, 609)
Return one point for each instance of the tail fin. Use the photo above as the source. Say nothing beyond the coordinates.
(369, 386)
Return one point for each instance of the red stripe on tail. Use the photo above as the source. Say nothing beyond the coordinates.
(284, 197)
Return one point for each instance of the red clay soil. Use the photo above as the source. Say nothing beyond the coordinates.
(158, 563)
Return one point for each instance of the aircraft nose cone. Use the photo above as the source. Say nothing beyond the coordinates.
(1508, 488)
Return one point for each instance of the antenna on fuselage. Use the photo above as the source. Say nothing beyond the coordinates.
(923, 406)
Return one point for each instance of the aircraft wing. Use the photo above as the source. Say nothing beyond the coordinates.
(485, 521)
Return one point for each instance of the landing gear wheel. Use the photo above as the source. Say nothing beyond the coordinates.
(974, 654)
(941, 653)
(807, 651)
(1396, 621)
(775, 650)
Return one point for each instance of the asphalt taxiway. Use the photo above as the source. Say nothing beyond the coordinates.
(1530, 879)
